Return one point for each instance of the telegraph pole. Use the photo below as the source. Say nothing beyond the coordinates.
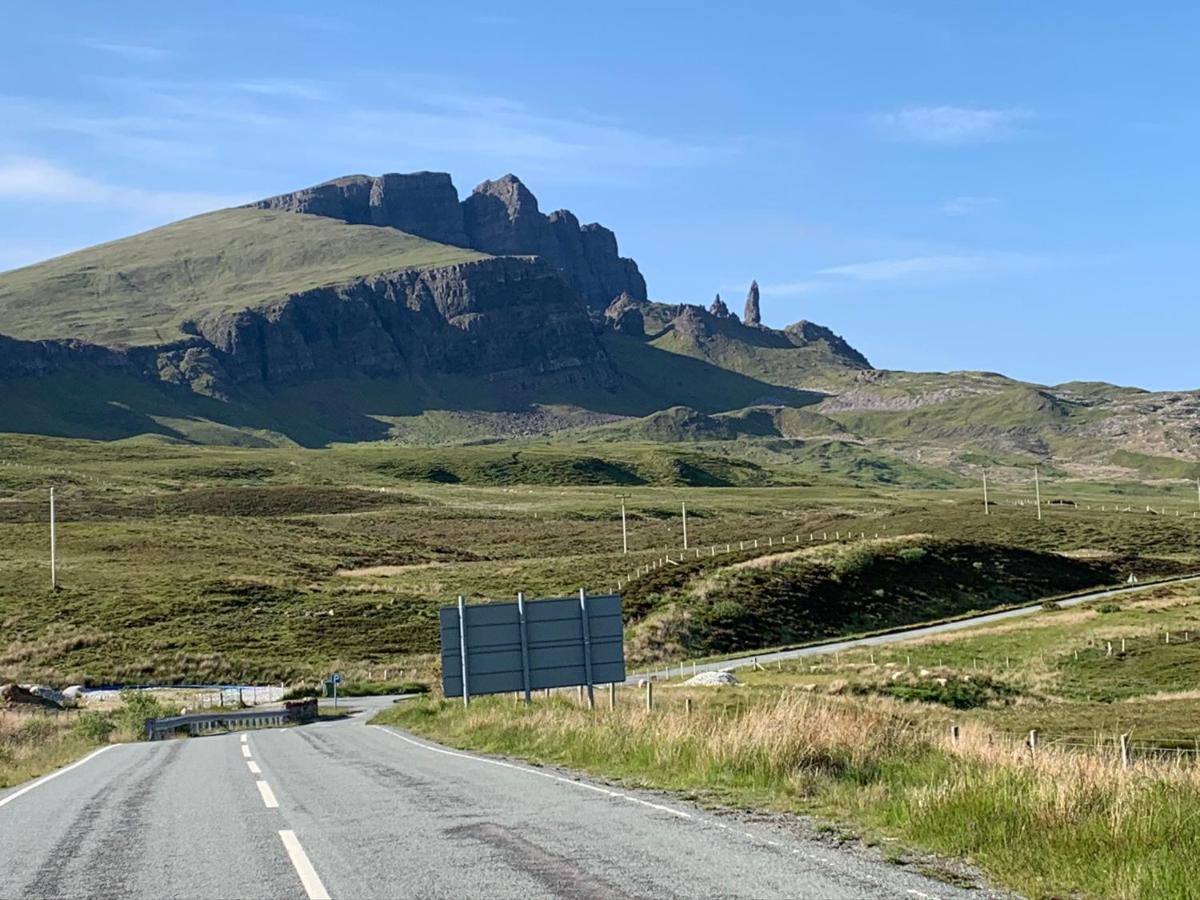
(986, 510)
(53, 546)
(685, 546)
(1037, 488)
(624, 529)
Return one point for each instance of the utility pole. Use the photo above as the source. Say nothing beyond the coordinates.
(53, 546)
(986, 511)
(685, 546)
(624, 529)
(1037, 488)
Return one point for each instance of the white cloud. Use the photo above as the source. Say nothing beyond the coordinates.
(791, 288)
(967, 205)
(891, 269)
(947, 266)
(950, 124)
(368, 122)
(25, 178)
(134, 52)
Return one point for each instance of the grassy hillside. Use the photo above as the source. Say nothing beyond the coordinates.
(190, 562)
(141, 289)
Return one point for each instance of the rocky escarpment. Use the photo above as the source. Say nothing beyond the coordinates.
(500, 217)
(422, 203)
(493, 319)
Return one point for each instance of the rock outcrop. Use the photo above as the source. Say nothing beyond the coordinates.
(422, 203)
(753, 313)
(802, 333)
(624, 317)
(718, 308)
(500, 217)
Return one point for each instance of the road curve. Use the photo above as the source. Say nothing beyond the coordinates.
(350, 810)
(891, 637)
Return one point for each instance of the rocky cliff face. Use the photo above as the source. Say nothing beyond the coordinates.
(493, 319)
(423, 203)
(500, 217)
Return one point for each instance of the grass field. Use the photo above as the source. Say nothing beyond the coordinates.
(202, 563)
(863, 741)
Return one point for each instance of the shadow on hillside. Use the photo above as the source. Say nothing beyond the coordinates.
(103, 405)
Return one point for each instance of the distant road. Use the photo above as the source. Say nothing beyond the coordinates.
(900, 634)
(350, 810)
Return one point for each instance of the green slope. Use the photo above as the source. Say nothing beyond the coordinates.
(141, 289)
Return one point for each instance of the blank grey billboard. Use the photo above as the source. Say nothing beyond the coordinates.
(533, 644)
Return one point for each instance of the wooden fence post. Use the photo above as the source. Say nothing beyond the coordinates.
(612, 697)
(649, 695)
(687, 705)
(1033, 740)
(954, 733)
(1126, 760)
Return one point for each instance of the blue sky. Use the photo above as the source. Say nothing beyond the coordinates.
(1003, 186)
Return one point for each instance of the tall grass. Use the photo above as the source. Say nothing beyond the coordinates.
(1051, 824)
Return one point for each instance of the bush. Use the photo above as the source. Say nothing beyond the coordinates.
(96, 727)
(302, 692)
(914, 554)
(1107, 607)
(1050, 605)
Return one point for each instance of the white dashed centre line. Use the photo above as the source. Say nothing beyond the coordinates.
(245, 738)
(268, 796)
(304, 867)
(254, 769)
(246, 751)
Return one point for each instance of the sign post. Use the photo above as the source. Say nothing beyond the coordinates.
(462, 649)
(524, 647)
(335, 679)
(587, 647)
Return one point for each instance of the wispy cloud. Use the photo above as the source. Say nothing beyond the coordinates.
(366, 123)
(945, 266)
(134, 52)
(26, 178)
(951, 124)
(892, 269)
(791, 288)
(967, 205)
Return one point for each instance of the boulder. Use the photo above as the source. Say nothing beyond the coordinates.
(19, 695)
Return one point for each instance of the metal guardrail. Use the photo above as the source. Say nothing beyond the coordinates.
(213, 720)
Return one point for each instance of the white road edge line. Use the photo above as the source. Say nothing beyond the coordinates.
(304, 867)
(268, 795)
(63, 771)
(254, 769)
(528, 771)
(246, 750)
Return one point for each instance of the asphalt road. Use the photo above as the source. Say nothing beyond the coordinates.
(351, 810)
(892, 637)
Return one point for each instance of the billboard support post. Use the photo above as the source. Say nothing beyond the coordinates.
(524, 646)
(587, 647)
(462, 648)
